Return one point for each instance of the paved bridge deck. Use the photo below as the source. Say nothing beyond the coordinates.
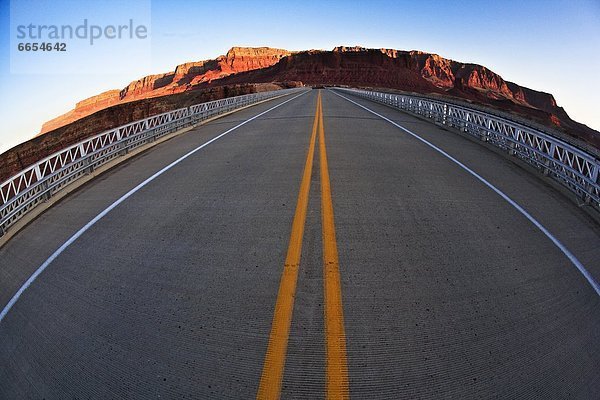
(447, 291)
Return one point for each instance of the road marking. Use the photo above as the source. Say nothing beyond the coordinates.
(273, 367)
(534, 221)
(335, 337)
(98, 217)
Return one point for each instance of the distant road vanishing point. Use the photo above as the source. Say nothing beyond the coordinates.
(317, 245)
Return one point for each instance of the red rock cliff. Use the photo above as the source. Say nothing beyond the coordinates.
(185, 77)
(412, 71)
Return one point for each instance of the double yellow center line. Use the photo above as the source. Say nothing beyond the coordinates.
(335, 338)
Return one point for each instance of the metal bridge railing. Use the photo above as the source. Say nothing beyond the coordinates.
(572, 167)
(38, 182)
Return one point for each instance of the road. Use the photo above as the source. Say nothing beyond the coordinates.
(396, 273)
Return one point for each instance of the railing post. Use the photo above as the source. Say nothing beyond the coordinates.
(594, 174)
(82, 151)
(46, 190)
(483, 134)
(89, 168)
(587, 197)
(124, 149)
(548, 161)
(38, 173)
(445, 114)
(546, 169)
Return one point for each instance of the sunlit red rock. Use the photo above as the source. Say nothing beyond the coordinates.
(409, 71)
(185, 77)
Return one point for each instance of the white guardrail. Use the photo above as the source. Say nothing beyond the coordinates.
(38, 182)
(570, 166)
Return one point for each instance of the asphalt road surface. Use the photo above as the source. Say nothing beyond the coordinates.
(315, 251)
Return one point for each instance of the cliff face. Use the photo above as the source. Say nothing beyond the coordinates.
(185, 77)
(412, 71)
(419, 72)
(469, 78)
(355, 68)
(241, 59)
(82, 109)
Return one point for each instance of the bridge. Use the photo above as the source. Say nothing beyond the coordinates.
(322, 243)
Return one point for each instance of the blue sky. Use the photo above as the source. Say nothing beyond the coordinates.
(553, 46)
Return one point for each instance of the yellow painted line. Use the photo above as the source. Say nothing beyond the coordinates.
(272, 373)
(335, 337)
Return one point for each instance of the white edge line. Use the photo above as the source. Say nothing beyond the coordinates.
(534, 221)
(98, 217)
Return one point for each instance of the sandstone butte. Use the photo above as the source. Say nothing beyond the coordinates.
(188, 76)
(245, 70)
